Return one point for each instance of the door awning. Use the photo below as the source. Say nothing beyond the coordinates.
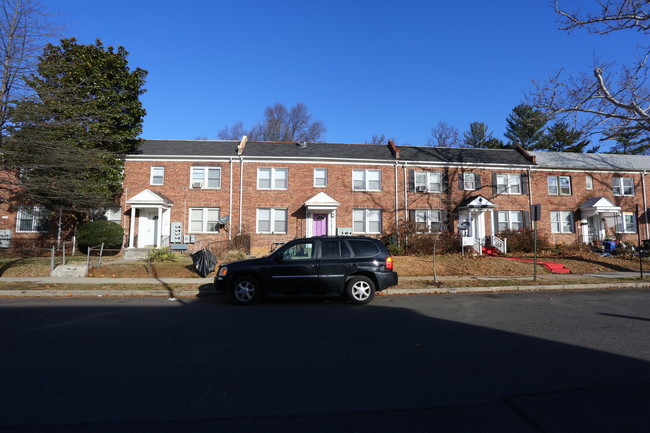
(476, 203)
(148, 198)
(599, 206)
(321, 201)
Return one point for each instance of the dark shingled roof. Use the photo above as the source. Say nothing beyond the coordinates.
(331, 150)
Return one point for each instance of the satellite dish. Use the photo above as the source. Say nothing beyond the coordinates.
(223, 221)
(464, 225)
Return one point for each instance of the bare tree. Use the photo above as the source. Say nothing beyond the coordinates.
(444, 135)
(24, 29)
(279, 124)
(607, 101)
(379, 139)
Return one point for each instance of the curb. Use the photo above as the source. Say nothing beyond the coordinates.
(172, 294)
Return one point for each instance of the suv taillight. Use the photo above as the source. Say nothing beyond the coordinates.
(389, 262)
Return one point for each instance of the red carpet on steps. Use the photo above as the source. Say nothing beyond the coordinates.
(556, 268)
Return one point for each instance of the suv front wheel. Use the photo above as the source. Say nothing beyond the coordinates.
(245, 290)
(360, 290)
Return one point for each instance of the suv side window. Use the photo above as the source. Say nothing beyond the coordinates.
(363, 248)
(330, 249)
(299, 251)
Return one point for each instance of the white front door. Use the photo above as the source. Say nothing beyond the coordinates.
(147, 228)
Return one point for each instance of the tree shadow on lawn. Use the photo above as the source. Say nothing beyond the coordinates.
(602, 263)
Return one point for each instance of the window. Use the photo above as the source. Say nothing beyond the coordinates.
(320, 177)
(366, 221)
(428, 181)
(206, 177)
(561, 222)
(510, 220)
(32, 219)
(559, 185)
(271, 220)
(589, 182)
(623, 186)
(366, 180)
(112, 214)
(157, 175)
(508, 184)
(272, 178)
(469, 181)
(427, 220)
(626, 223)
(299, 251)
(204, 219)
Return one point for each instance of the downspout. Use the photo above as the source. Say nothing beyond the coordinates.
(230, 198)
(396, 201)
(530, 192)
(241, 191)
(645, 204)
(406, 197)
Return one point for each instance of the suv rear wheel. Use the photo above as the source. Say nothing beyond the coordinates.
(360, 290)
(245, 291)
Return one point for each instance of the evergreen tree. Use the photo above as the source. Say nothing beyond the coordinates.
(478, 136)
(560, 137)
(525, 127)
(67, 144)
(632, 142)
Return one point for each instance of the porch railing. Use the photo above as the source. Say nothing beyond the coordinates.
(500, 244)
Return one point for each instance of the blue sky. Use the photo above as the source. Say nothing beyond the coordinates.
(361, 67)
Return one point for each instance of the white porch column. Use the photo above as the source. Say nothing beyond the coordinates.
(158, 228)
(132, 227)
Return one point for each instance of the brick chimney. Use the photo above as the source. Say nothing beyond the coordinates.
(394, 150)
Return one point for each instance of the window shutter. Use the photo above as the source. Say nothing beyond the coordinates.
(477, 180)
(445, 181)
(461, 182)
(527, 219)
(444, 222)
(411, 180)
(494, 183)
(524, 184)
(411, 215)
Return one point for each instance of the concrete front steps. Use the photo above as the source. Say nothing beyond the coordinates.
(70, 271)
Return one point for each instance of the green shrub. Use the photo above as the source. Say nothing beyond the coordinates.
(163, 254)
(95, 233)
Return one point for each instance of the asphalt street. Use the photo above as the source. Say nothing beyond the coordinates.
(504, 362)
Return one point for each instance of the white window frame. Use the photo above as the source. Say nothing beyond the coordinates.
(562, 222)
(509, 183)
(619, 187)
(157, 172)
(366, 221)
(206, 222)
(430, 181)
(556, 186)
(276, 181)
(277, 220)
(426, 218)
(626, 223)
(320, 178)
(589, 182)
(469, 181)
(362, 181)
(194, 178)
(509, 220)
(37, 218)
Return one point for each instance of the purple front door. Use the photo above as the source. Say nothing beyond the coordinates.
(320, 225)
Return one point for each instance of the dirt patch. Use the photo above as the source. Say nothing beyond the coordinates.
(458, 265)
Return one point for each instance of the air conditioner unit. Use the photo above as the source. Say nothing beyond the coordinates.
(421, 188)
(197, 185)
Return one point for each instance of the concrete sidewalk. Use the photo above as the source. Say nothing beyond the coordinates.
(203, 285)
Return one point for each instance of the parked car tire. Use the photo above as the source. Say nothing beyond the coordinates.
(360, 290)
(245, 290)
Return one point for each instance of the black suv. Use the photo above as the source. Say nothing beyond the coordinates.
(354, 266)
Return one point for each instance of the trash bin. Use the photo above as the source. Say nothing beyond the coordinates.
(609, 246)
